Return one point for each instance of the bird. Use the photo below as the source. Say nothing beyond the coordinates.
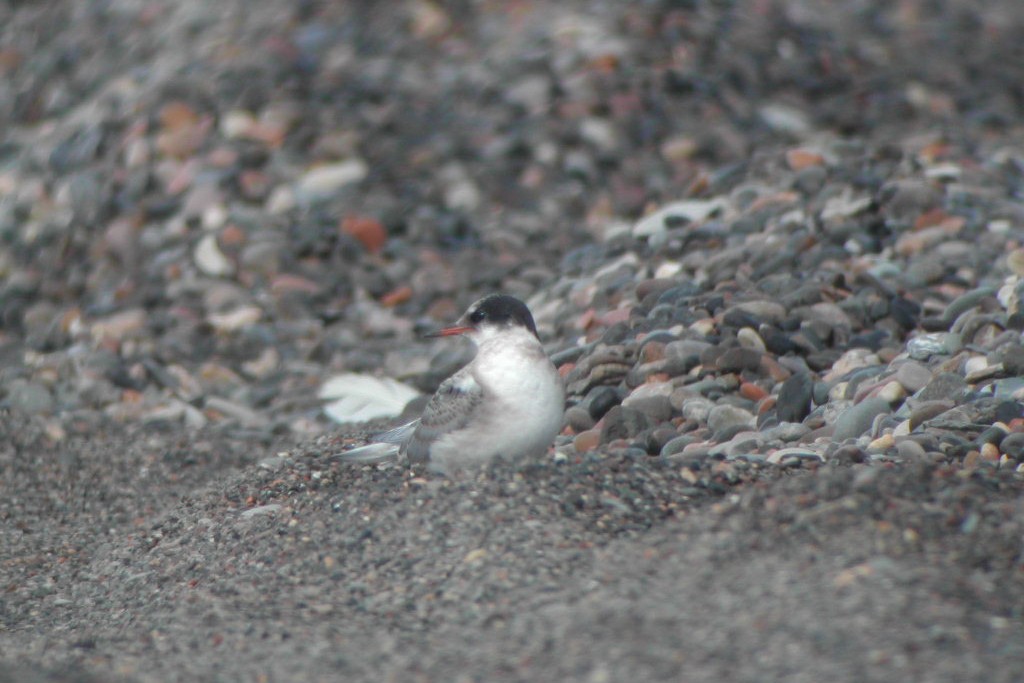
(506, 404)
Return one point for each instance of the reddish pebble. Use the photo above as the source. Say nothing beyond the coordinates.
(619, 315)
(586, 319)
(232, 236)
(972, 460)
(799, 159)
(587, 441)
(652, 351)
(369, 231)
(285, 283)
(751, 391)
(397, 296)
(176, 115)
(774, 369)
(930, 218)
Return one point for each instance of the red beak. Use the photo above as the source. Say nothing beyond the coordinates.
(450, 331)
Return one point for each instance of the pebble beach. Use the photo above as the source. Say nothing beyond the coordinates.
(775, 249)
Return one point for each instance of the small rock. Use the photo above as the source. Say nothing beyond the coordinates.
(587, 441)
(909, 449)
(794, 402)
(944, 386)
(29, 397)
(323, 181)
(579, 419)
(857, 419)
(261, 510)
(675, 446)
(723, 417)
(739, 359)
(1013, 446)
(622, 423)
(913, 376)
(210, 259)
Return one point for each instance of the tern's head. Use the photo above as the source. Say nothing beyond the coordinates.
(492, 315)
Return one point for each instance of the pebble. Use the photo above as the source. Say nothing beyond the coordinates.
(944, 386)
(913, 376)
(1013, 446)
(794, 403)
(321, 182)
(857, 419)
(210, 259)
(29, 397)
(723, 417)
(911, 450)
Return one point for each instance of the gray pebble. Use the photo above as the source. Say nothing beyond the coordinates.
(676, 445)
(29, 397)
(724, 417)
(658, 408)
(622, 423)
(913, 376)
(944, 386)
(579, 419)
(1013, 445)
(927, 345)
(739, 359)
(926, 410)
(911, 450)
(786, 432)
(858, 419)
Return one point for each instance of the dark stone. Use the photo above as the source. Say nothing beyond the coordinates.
(657, 438)
(1013, 445)
(616, 334)
(777, 341)
(794, 403)
(848, 455)
(991, 435)
(1008, 410)
(600, 400)
(739, 359)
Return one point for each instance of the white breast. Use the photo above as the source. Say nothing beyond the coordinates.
(522, 410)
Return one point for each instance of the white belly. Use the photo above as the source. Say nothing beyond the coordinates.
(521, 415)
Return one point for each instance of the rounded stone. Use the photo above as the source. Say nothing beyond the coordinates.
(911, 450)
(579, 419)
(29, 397)
(739, 359)
(857, 420)
(724, 417)
(913, 376)
(600, 400)
(675, 446)
(794, 402)
(944, 386)
(622, 423)
(1013, 445)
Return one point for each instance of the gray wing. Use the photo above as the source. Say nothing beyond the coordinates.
(451, 408)
(385, 446)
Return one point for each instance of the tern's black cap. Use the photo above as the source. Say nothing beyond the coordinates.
(501, 309)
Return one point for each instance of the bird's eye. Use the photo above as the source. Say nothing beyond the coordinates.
(477, 316)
